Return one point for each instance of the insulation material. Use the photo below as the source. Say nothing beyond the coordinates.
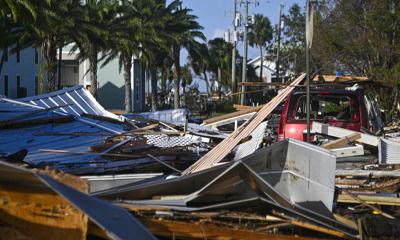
(253, 144)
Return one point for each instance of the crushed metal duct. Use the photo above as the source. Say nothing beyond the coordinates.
(292, 175)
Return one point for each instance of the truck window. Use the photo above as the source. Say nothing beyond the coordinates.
(324, 107)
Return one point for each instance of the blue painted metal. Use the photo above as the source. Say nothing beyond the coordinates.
(34, 138)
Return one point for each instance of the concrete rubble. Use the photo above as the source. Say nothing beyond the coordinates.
(69, 169)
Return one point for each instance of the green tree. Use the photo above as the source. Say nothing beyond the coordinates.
(186, 32)
(91, 35)
(221, 55)
(200, 64)
(361, 37)
(186, 80)
(261, 36)
(48, 31)
(293, 47)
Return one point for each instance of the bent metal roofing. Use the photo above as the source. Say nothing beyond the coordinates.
(57, 135)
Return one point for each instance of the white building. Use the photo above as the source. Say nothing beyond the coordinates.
(20, 78)
(269, 70)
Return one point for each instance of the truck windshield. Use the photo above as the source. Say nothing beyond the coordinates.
(324, 107)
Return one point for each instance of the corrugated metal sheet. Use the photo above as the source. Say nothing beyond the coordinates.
(61, 135)
(78, 99)
(389, 151)
(174, 116)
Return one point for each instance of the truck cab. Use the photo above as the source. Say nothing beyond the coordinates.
(339, 106)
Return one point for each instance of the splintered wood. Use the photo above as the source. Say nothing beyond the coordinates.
(39, 213)
(220, 151)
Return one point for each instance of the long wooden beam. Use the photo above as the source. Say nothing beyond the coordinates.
(187, 230)
(219, 152)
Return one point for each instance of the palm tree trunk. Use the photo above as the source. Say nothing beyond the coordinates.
(183, 103)
(3, 57)
(153, 72)
(93, 71)
(219, 83)
(127, 62)
(50, 55)
(208, 88)
(177, 75)
(261, 64)
(164, 78)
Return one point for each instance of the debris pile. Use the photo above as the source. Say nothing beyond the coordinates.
(69, 169)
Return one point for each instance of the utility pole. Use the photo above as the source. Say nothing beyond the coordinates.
(309, 36)
(234, 48)
(244, 70)
(279, 46)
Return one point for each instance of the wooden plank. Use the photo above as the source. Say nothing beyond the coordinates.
(342, 142)
(239, 107)
(219, 152)
(322, 128)
(318, 228)
(333, 78)
(364, 203)
(40, 213)
(369, 199)
(350, 223)
(262, 84)
(366, 173)
(232, 115)
(187, 230)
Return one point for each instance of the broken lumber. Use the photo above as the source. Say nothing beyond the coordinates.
(232, 116)
(369, 199)
(239, 107)
(341, 142)
(326, 129)
(364, 203)
(366, 173)
(219, 152)
(189, 230)
(333, 78)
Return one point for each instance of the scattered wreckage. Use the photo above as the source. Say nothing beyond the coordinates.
(72, 170)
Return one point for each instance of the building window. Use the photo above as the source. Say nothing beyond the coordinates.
(6, 54)
(18, 81)
(36, 85)
(18, 56)
(36, 56)
(75, 68)
(6, 85)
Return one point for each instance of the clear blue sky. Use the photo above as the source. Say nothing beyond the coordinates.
(216, 15)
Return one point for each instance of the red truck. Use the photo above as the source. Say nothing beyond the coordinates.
(339, 106)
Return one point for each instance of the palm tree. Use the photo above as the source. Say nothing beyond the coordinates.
(260, 36)
(155, 41)
(187, 78)
(186, 32)
(44, 28)
(220, 53)
(92, 34)
(200, 64)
